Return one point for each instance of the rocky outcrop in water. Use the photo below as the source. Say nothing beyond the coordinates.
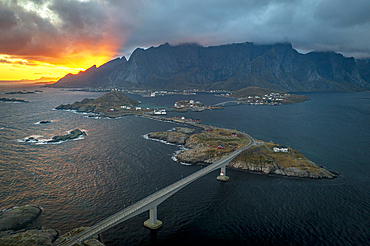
(71, 135)
(17, 217)
(4, 99)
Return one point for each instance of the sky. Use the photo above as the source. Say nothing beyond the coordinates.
(51, 38)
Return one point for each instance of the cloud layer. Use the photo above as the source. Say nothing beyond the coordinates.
(73, 31)
(57, 32)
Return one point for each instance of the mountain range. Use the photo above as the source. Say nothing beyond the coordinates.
(230, 67)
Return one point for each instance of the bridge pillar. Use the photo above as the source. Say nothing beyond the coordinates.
(222, 176)
(152, 222)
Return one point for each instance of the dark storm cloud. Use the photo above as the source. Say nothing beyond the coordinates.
(7, 19)
(344, 13)
(338, 25)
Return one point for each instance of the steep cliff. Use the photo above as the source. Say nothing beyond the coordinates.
(93, 77)
(230, 67)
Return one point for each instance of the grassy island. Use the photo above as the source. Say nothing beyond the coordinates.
(211, 144)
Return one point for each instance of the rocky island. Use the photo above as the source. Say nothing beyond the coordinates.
(112, 104)
(262, 96)
(15, 229)
(71, 135)
(211, 144)
(56, 139)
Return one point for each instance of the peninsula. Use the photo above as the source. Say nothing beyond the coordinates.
(212, 143)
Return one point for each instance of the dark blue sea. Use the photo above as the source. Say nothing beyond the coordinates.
(81, 182)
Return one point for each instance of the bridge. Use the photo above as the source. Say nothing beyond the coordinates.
(151, 202)
(227, 102)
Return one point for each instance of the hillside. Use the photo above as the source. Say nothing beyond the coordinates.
(230, 67)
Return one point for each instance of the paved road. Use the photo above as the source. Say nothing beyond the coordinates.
(154, 199)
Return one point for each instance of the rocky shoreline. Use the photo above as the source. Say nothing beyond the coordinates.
(14, 223)
(258, 159)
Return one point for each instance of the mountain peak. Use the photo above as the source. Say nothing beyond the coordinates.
(233, 66)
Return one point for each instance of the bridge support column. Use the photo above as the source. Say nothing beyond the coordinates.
(222, 176)
(152, 222)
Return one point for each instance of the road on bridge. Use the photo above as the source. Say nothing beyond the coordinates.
(154, 199)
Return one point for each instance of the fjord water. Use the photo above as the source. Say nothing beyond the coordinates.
(79, 183)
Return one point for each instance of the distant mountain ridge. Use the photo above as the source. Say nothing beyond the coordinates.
(230, 67)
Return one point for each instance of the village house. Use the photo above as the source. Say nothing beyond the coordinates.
(281, 149)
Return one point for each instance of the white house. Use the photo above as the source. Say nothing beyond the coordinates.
(280, 149)
(160, 111)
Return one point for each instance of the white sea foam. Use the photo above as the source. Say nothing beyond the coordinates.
(159, 140)
(38, 123)
(173, 157)
(176, 153)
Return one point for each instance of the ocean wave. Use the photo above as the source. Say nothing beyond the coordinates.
(176, 160)
(173, 157)
(159, 140)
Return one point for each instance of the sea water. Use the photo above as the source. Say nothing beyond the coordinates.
(81, 182)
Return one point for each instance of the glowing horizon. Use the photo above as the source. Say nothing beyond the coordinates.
(16, 69)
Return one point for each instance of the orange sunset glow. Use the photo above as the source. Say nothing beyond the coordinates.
(17, 68)
(30, 68)
(48, 41)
